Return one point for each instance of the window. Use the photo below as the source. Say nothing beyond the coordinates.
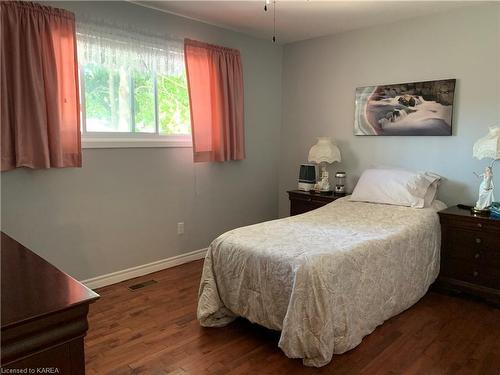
(133, 90)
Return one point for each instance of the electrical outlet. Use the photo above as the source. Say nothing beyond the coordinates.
(180, 228)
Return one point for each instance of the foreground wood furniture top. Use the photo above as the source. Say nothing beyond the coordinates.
(43, 313)
(304, 201)
(470, 254)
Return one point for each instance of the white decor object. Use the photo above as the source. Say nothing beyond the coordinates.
(397, 187)
(322, 153)
(487, 147)
(120, 45)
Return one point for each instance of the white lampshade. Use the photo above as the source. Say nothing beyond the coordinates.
(489, 146)
(324, 151)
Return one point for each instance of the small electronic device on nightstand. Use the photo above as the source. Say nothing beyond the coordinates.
(307, 177)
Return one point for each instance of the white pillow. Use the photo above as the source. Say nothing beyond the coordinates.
(431, 194)
(395, 186)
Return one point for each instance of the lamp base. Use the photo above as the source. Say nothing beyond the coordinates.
(480, 212)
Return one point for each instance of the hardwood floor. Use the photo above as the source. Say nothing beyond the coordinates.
(154, 331)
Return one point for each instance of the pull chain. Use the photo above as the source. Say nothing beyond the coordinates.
(274, 17)
(274, 21)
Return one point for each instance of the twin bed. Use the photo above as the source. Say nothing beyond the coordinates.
(326, 278)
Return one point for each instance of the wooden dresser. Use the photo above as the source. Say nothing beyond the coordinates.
(303, 201)
(44, 315)
(470, 254)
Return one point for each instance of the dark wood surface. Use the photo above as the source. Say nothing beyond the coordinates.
(470, 254)
(154, 331)
(303, 201)
(32, 287)
(454, 211)
(43, 312)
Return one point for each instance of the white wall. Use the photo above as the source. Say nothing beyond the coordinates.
(121, 209)
(320, 77)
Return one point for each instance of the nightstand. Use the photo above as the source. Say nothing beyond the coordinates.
(303, 201)
(470, 254)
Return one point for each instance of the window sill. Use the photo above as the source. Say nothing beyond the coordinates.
(97, 142)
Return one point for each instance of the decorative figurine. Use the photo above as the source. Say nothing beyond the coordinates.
(485, 190)
(487, 147)
(324, 184)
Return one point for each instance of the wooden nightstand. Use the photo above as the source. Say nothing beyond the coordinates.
(470, 254)
(303, 201)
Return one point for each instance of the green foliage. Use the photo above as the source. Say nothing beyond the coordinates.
(144, 102)
(97, 98)
(107, 101)
(173, 103)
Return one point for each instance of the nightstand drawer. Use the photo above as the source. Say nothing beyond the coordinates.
(473, 246)
(301, 197)
(302, 202)
(471, 273)
(300, 206)
(492, 258)
(470, 254)
(311, 197)
(471, 223)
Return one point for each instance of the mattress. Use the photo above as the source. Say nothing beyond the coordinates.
(325, 278)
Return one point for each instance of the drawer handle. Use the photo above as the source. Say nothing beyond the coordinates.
(478, 240)
(479, 225)
(475, 274)
(476, 256)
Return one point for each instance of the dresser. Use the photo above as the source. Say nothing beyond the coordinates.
(470, 254)
(303, 201)
(43, 314)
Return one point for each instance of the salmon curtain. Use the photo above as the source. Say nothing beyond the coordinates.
(215, 82)
(39, 104)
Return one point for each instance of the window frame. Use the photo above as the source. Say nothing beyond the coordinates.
(128, 139)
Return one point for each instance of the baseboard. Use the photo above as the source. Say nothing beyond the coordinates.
(130, 273)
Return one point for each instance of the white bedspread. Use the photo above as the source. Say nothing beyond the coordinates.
(326, 278)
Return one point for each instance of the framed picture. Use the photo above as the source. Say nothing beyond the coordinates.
(416, 108)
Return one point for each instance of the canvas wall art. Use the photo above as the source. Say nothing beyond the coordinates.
(416, 108)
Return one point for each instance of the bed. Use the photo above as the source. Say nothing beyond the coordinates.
(325, 278)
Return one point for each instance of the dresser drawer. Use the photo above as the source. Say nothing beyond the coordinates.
(471, 272)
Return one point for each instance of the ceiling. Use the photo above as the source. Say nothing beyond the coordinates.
(301, 19)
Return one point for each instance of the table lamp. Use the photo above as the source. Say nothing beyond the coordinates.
(322, 153)
(486, 147)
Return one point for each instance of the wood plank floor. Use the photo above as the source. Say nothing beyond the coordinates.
(154, 331)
